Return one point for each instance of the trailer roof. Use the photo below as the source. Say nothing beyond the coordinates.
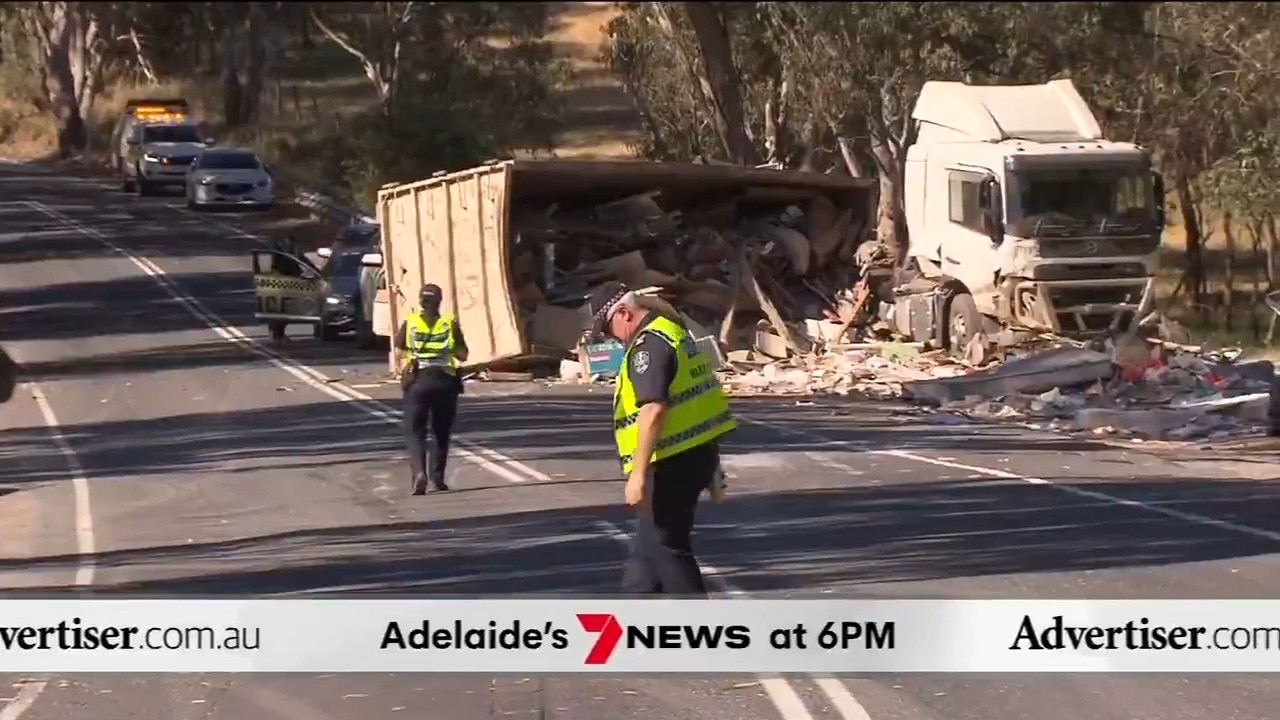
(595, 178)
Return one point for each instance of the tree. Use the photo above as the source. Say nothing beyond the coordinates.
(375, 33)
(70, 48)
(720, 80)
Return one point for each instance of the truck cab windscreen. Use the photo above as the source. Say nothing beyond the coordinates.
(170, 134)
(1056, 202)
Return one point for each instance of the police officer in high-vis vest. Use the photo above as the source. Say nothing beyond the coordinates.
(669, 413)
(433, 345)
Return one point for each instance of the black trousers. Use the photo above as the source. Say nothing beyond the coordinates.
(661, 560)
(430, 404)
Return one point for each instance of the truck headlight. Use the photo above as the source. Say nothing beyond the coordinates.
(148, 157)
(206, 181)
(263, 183)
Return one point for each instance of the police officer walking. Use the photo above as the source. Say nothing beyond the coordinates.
(669, 413)
(434, 345)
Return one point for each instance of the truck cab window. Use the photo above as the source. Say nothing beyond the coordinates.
(1087, 200)
(965, 206)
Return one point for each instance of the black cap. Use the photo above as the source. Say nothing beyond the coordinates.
(430, 294)
(600, 302)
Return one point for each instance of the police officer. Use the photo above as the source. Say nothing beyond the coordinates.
(669, 413)
(286, 266)
(434, 345)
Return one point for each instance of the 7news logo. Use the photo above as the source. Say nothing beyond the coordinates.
(609, 633)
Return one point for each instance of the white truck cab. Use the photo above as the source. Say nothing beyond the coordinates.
(1022, 215)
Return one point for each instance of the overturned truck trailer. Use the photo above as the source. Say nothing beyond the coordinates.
(483, 234)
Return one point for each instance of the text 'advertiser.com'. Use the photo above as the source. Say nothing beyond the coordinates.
(638, 636)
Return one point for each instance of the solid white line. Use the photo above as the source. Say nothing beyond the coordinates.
(780, 691)
(27, 695)
(1194, 518)
(380, 409)
(784, 697)
(85, 547)
(234, 335)
(1092, 494)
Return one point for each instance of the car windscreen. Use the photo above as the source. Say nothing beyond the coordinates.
(228, 161)
(170, 134)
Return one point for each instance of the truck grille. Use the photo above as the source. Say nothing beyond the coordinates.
(1054, 248)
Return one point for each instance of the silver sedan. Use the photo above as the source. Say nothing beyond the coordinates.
(229, 177)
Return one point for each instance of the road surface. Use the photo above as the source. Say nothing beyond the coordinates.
(163, 446)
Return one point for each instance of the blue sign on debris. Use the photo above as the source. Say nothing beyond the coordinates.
(603, 359)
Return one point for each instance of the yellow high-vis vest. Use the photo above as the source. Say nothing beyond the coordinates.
(697, 407)
(431, 344)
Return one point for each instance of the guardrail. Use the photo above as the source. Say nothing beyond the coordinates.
(331, 210)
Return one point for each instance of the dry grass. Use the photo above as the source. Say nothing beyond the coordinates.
(602, 122)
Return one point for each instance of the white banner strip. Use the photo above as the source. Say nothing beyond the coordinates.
(639, 636)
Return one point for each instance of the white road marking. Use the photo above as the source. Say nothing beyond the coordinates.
(1078, 491)
(780, 691)
(902, 454)
(85, 547)
(234, 335)
(843, 701)
(27, 695)
(784, 697)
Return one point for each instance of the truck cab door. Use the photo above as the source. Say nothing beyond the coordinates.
(973, 232)
(286, 287)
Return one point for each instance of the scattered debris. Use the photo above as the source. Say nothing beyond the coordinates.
(772, 291)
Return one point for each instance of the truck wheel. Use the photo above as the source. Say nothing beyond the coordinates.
(126, 185)
(144, 188)
(963, 323)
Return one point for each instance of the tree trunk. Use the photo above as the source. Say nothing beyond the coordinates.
(232, 90)
(255, 57)
(891, 218)
(1194, 272)
(1229, 274)
(65, 34)
(712, 32)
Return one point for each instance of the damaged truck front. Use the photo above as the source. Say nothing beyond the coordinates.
(1020, 215)
(744, 254)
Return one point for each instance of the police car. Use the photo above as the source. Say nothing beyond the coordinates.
(154, 143)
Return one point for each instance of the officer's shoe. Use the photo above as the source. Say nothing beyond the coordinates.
(439, 487)
(420, 484)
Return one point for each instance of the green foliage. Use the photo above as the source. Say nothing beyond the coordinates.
(459, 100)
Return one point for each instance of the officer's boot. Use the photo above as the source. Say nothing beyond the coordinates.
(420, 484)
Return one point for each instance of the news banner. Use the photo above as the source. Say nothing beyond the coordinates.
(556, 637)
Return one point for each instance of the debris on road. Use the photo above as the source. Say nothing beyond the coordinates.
(778, 299)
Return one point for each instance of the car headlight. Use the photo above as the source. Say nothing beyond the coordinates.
(206, 181)
(148, 157)
(263, 183)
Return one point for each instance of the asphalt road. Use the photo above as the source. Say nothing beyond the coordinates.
(163, 446)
